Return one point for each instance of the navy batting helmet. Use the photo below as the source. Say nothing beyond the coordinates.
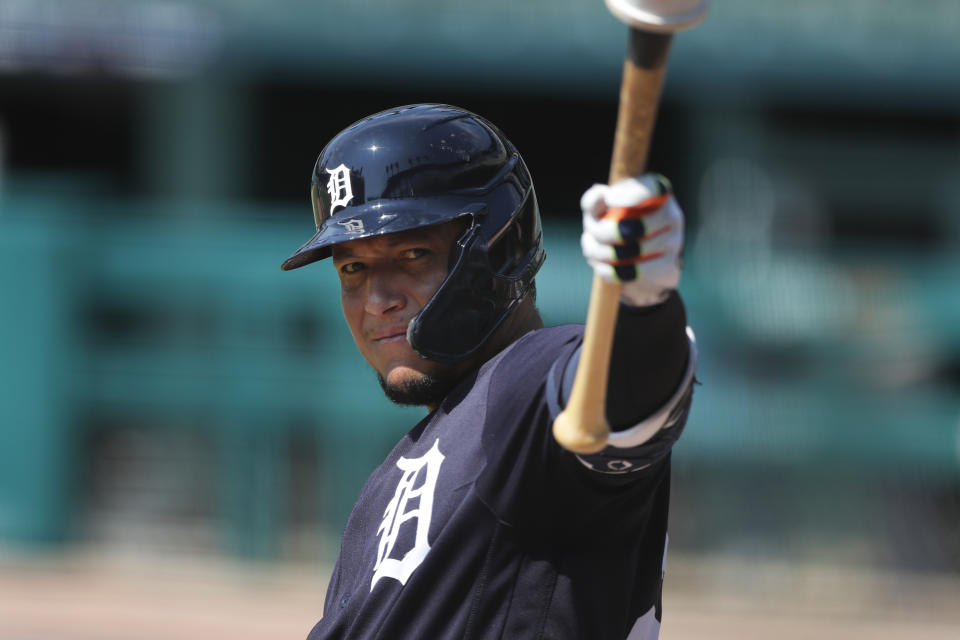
(422, 165)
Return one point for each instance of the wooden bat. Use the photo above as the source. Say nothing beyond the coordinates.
(582, 426)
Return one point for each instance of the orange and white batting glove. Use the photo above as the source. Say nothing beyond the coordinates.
(633, 234)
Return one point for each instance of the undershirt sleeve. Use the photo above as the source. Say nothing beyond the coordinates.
(650, 354)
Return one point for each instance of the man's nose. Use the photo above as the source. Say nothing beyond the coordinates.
(384, 296)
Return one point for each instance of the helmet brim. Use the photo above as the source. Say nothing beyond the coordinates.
(377, 218)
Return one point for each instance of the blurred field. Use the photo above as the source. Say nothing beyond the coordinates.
(98, 596)
(184, 428)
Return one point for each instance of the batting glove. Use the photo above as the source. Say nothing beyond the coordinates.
(633, 234)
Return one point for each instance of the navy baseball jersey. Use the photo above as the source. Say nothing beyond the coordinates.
(479, 525)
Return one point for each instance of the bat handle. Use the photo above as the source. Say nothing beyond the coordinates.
(582, 426)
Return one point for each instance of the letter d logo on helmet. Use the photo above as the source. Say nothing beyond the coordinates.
(338, 187)
(422, 165)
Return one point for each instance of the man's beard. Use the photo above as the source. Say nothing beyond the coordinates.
(425, 389)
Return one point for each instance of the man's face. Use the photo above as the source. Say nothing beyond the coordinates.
(384, 282)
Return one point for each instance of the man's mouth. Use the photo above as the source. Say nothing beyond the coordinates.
(386, 336)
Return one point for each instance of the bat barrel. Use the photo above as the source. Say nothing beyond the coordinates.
(659, 16)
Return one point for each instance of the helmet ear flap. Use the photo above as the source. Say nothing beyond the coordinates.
(510, 250)
(466, 296)
(472, 221)
(486, 280)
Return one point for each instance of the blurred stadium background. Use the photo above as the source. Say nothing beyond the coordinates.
(184, 428)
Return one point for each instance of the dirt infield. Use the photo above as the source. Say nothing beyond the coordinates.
(720, 599)
(99, 596)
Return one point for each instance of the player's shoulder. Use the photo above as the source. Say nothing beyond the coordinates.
(559, 334)
(543, 343)
(536, 350)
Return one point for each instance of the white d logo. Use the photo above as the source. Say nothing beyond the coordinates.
(338, 186)
(399, 511)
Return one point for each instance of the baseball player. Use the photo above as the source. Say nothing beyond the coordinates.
(478, 524)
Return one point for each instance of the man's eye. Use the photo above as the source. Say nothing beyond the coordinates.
(351, 267)
(413, 254)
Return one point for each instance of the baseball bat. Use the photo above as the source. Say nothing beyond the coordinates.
(582, 426)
